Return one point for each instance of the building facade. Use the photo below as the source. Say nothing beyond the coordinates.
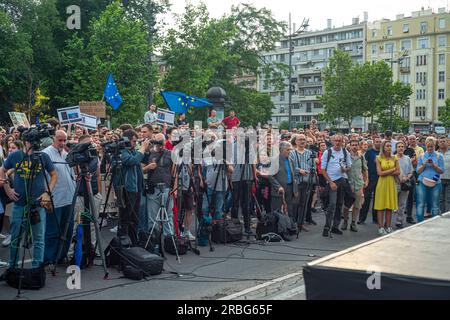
(418, 50)
(311, 53)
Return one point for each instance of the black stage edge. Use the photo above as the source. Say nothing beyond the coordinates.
(413, 263)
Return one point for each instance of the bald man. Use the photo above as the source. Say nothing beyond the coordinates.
(62, 200)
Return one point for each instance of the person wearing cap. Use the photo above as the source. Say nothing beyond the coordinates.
(430, 166)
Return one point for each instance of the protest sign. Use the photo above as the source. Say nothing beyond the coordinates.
(166, 116)
(69, 115)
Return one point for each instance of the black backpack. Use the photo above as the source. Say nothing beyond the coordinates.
(182, 245)
(267, 228)
(32, 279)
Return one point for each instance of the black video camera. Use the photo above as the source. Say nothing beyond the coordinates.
(114, 147)
(157, 142)
(34, 134)
(81, 153)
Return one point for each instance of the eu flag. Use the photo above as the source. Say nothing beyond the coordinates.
(180, 102)
(111, 93)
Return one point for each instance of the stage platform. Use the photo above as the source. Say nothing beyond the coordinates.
(413, 263)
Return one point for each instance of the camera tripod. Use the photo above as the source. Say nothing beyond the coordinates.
(89, 206)
(309, 187)
(30, 215)
(180, 206)
(163, 218)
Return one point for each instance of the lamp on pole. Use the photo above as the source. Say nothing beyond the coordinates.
(302, 28)
(392, 61)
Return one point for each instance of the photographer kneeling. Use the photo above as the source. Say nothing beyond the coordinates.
(133, 181)
(31, 199)
(159, 170)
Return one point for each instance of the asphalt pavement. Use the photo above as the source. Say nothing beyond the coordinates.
(228, 270)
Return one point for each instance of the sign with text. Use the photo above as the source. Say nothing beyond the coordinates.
(89, 122)
(19, 119)
(166, 116)
(69, 115)
(93, 108)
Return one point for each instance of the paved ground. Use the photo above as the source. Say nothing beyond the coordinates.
(212, 275)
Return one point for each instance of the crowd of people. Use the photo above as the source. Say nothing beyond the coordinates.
(402, 179)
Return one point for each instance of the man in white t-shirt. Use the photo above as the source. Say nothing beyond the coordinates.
(151, 115)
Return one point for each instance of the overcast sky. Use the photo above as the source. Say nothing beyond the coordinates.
(318, 11)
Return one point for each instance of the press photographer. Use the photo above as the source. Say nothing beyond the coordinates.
(159, 168)
(129, 185)
(30, 194)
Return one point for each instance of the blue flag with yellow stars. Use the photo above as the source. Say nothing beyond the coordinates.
(111, 93)
(180, 102)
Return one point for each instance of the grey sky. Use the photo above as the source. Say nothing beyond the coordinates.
(318, 11)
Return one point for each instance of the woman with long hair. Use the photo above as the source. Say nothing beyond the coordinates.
(386, 200)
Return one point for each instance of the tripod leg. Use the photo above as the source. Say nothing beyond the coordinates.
(104, 214)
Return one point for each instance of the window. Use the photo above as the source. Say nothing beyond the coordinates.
(441, 94)
(308, 107)
(441, 76)
(421, 77)
(421, 94)
(406, 45)
(442, 59)
(420, 112)
(296, 106)
(374, 49)
(389, 31)
(442, 41)
(282, 110)
(317, 105)
(422, 43)
(405, 28)
(405, 79)
(282, 96)
(374, 33)
(423, 27)
(421, 60)
(282, 58)
(389, 48)
(442, 23)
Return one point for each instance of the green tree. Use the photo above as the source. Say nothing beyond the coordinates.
(117, 43)
(444, 115)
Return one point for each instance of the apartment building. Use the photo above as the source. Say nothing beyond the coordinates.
(418, 50)
(311, 53)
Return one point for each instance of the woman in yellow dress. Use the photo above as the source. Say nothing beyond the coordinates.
(388, 168)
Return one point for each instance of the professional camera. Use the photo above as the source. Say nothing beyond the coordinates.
(81, 153)
(157, 142)
(114, 147)
(34, 134)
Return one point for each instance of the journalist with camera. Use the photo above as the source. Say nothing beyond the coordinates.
(62, 200)
(158, 166)
(30, 194)
(129, 186)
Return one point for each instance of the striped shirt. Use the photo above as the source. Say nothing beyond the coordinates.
(302, 161)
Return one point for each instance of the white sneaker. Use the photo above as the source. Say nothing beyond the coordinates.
(7, 241)
(113, 230)
(2, 236)
(389, 230)
(191, 236)
(381, 232)
(3, 264)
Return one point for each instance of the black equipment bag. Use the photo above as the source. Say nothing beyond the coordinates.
(32, 279)
(112, 252)
(132, 273)
(139, 258)
(267, 224)
(182, 245)
(226, 231)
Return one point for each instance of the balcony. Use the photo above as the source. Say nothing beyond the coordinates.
(405, 69)
(310, 84)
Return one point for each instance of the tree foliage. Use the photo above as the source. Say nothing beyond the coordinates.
(444, 115)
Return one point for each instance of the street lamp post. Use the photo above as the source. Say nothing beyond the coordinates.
(302, 28)
(392, 61)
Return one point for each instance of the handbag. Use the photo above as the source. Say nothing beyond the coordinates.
(406, 186)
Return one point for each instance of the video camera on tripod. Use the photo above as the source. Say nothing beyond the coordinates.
(80, 154)
(34, 134)
(114, 147)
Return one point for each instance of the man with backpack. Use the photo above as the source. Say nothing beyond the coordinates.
(358, 179)
(336, 163)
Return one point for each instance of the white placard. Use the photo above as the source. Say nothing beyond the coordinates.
(19, 119)
(89, 122)
(69, 115)
(166, 116)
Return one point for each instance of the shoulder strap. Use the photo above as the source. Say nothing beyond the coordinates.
(345, 156)
(328, 157)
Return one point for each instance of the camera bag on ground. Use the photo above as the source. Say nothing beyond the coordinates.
(141, 259)
(112, 252)
(32, 279)
(268, 224)
(286, 226)
(226, 231)
(182, 245)
(152, 245)
(132, 273)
